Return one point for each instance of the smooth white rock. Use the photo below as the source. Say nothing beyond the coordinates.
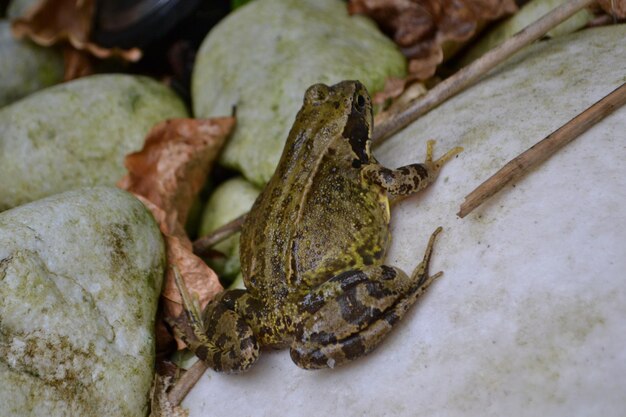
(528, 319)
(80, 278)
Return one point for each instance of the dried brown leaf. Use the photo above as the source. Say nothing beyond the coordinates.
(615, 8)
(421, 27)
(77, 64)
(166, 175)
(51, 22)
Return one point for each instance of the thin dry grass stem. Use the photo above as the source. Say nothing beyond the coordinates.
(186, 382)
(203, 245)
(544, 149)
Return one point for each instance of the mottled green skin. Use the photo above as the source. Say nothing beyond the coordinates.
(313, 245)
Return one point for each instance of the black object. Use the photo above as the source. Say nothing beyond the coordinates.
(137, 23)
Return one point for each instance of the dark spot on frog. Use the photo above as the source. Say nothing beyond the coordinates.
(353, 347)
(217, 360)
(357, 132)
(222, 341)
(354, 311)
(247, 343)
(391, 318)
(388, 272)
(202, 352)
(322, 338)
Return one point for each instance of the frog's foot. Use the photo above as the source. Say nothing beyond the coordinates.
(219, 336)
(412, 178)
(349, 315)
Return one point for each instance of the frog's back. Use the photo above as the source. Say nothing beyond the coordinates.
(344, 225)
(315, 218)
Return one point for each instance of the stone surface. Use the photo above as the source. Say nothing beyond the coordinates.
(229, 201)
(527, 319)
(25, 67)
(262, 58)
(77, 134)
(531, 12)
(80, 277)
(18, 8)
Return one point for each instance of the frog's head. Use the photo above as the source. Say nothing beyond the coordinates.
(349, 106)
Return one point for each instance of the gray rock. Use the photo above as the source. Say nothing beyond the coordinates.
(77, 134)
(80, 276)
(262, 57)
(18, 8)
(25, 67)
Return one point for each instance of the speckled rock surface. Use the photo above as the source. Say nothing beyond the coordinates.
(77, 134)
(25, 67)
(528, 318)
(80, 277)
(229, 201)
(263, 57)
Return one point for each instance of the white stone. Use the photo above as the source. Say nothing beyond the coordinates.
(80, 278)
(528, 319)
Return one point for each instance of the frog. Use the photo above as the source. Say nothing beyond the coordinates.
(313, 247)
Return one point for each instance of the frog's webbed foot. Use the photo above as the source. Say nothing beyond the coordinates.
(219, 336)
(409, 179)
(349, 315)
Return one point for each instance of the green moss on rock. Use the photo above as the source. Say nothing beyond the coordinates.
(80, 277)
(77, 134)
(25, 67)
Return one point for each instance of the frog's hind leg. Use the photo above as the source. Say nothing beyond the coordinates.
(218, 336)
(349, 315)
(408, 179)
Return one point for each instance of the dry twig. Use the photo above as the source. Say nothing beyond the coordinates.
(202, 246)
(186, 382)
(544, 149)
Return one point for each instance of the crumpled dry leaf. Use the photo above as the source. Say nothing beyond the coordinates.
(615, 8)
(422, 27)
(166, 175)
(160, 406)
(51, 22)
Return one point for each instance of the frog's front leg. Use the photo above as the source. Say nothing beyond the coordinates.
(408, 179)
(219, 336)
(350, 314)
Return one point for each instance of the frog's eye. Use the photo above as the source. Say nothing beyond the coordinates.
(360, 101)
(317, 93)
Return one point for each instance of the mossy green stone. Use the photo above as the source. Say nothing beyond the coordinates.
(80, 277)
(77, 134)
(18, 8)
(25, 67)
(262, 58)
